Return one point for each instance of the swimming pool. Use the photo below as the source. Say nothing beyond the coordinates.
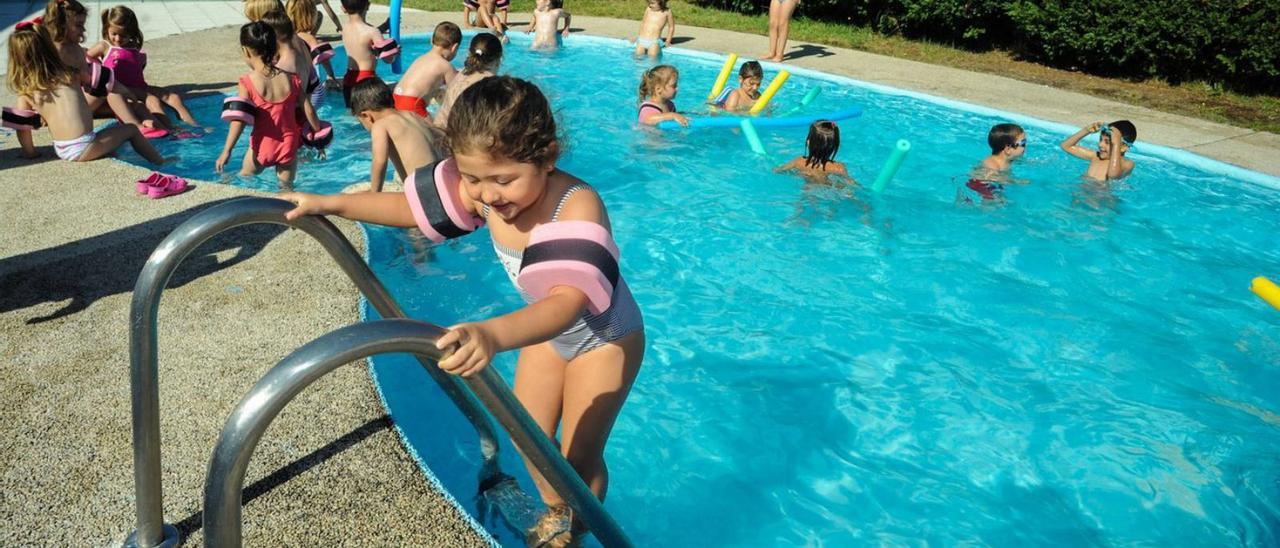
(1075, 367)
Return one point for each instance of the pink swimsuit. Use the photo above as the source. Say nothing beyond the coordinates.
(128, 64)
(276, 133)
(648, 106)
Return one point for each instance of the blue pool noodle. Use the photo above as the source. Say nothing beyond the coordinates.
(753, 138)
(891, 165)
(396, 67)
(763, 122)
(808, 98)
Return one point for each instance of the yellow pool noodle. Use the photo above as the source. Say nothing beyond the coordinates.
(773, 88)
(724, 76)
(1267, 290)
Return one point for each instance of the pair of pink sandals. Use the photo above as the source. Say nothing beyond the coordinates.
(158, 185)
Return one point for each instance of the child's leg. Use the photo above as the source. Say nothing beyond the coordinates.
(774, 10)
(466, 17)
(640, 50)
(596, 385)
(249, 167)
(285, 174)
(654, 51)
(156, 109)
(175, 101)
(784, 26)
(539, 385)
(504, 17)
(108, 140)
(26, 138)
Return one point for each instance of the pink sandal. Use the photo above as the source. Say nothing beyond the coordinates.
(169, 185)
(144, 185)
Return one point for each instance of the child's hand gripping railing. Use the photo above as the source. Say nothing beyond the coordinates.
(245, 426)
(144, 370)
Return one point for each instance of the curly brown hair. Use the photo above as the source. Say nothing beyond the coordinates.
(507, 117)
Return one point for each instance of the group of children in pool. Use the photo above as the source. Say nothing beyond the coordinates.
(488, 155)
(1008, 142)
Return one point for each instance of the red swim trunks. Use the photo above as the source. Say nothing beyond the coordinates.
(411, 104)
(350, 79)
(986, 190)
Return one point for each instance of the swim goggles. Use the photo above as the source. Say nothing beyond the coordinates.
(1106, 131)
(1020, 144)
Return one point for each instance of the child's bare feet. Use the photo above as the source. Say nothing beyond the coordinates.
(553, 525)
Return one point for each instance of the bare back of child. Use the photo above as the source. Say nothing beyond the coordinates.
(409, 141)
(426, 78)
(359, 39)
(49, 89)
(819, 165)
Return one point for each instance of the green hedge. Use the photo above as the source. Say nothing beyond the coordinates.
(1231, 42)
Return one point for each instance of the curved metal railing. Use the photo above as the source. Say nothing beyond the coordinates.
(244, 428)
(144, 370)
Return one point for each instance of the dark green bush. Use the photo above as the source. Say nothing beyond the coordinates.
(1231, 42)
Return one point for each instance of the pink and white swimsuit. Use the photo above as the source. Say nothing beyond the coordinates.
(128, 64)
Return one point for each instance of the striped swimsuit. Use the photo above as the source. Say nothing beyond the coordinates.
(591, 331)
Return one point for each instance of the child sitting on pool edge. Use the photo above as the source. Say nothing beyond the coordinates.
(409, 140)
(49, 89)
(581, 336)
(819, 161)
(741, 98)
(658, 86)
(1108, 162)
(1008, 142)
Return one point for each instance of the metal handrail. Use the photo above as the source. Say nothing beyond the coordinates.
(250, 419)
(144, 369)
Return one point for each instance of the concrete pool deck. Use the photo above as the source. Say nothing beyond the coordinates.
(330, 470)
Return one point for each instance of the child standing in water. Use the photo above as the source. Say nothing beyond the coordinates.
(779, 27)
(744, 96)
(581, 335)
(1008, 142)
(306, 21)
(364, 44)
(408, 140)
(122, 53)
(48, 89)
(268, 98)
(819, 161)
(1108, 162)
(546, 22)
(483, 57)
(656, 16)
(427, 76)
(658, 86)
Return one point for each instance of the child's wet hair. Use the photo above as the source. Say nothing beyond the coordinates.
(822, 144)
(446, 35)
(304, 15)
(1002, 136)
(371, 94)
(34, 64)
(655, 77)
(1128, 132)
(484, 54)
(751, 69)
(60, 16)
(355, 6)
(260, 39)
(504, 117)
(123, 18)
(280, 23)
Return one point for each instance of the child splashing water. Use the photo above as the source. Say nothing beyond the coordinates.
(658, 86)
(47, 88)
(268, 98)
(581, 337)
(122, 53)
(64, 20)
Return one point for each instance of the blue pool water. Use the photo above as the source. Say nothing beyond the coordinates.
(1076, 367)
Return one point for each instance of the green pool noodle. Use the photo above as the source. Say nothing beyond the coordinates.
(753, 138)
(808, 98)
(891, 165)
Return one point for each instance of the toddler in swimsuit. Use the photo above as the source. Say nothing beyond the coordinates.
(269, 99)
(122, 53)
(658, 86)
(656, 16)
(581, 335)
(49, 92)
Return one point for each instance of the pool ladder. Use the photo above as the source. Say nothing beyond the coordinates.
(477, 397)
